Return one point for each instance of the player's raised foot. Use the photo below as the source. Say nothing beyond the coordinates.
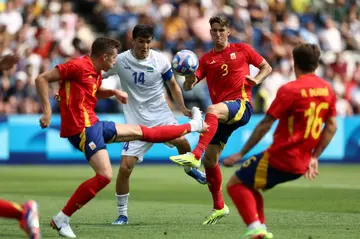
(196, 174)
(187, 159)
(269, 235)
(30, 220)
(121, 220)
(216, 215)
(62, 225)
(259, 233)
(197, 123)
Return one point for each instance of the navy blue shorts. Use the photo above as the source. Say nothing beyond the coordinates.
(239, 115)
(256, 173)
(94, 138)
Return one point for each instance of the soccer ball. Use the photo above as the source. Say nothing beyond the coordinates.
(185, 62)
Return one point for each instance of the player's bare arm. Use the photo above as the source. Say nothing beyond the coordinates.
(104, 93)
(261, 129)
(42, 88)
(265, 70)
(177, 95)
(190, 82)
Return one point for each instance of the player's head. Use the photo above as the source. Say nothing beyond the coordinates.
(142, 36)
(220, 30)
(306, 58)
(104, 50)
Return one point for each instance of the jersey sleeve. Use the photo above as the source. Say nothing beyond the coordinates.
(201, 71)
(71, 70)
(253, 57)
(166, 71)
(113, 71)
(283, 101)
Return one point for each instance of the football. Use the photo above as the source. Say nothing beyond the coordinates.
(185, 62)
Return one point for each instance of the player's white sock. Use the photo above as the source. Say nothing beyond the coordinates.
(122, 202)
(63, 217)
(264, 226)
(255, 225)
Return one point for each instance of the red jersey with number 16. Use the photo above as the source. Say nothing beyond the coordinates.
(225, 72)
(78, 85)
(302, 106)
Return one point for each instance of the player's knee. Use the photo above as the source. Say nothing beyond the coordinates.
(209, 162)
(125, 171)
(213, 110)
(107, 173)
(233, 181)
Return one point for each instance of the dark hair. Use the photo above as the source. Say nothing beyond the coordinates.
(104, 45)
(143, 31)
(222, 20)
(306, 56)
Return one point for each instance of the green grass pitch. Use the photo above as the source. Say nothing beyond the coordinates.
(166, 203)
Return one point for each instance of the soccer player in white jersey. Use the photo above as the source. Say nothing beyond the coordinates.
(142, 73)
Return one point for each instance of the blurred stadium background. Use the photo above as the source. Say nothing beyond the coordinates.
(45, 33)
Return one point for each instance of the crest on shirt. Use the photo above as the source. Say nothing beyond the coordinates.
(92, 145)
(149, 69)
(233, 56)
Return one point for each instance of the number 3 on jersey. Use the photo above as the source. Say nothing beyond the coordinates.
(224, 67)
(139, 78)
(314, 121)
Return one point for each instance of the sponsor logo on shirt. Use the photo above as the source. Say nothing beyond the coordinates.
(212, 62)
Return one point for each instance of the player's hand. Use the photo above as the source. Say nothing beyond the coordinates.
(8, 61)
(313, 169)
(251, 80)
(45, 121)
(186, 112)
(232, 159)
(122, 96)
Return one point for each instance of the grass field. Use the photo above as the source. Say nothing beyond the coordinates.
(165, 203)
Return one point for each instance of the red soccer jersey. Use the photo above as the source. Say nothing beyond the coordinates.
(225, 72)
(302, 106)
(78, 85)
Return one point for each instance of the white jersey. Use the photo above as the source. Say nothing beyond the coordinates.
(143, 80)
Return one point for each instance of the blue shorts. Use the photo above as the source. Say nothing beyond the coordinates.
(256, 173)
(239, 115)
(94, 138)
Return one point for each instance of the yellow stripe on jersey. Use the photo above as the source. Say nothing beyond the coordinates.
(239, 114)
(291, 125)
(82, 141)
(261, 172)
(243, 92)
(86, 115)
(67, 91)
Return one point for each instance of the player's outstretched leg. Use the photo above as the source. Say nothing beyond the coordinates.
(27, 214)
(193, 159)
(245, 201)
(100, 162)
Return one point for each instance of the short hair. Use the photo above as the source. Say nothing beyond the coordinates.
(222, 20)
(103, 45)
(306, 56)
(143, 31)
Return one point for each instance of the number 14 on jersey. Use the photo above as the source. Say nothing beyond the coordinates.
(139, 78)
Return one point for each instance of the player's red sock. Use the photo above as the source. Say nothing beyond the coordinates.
(206, 137)
(260, 206)
(214, 181)
(165, 133)
(10, 210)
(245, 202)
(84, 193)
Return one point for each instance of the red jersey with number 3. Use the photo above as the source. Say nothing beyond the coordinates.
(225, 72)
(78, 85)
(302, 106)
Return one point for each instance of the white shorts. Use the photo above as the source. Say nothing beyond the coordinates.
(139, 148)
